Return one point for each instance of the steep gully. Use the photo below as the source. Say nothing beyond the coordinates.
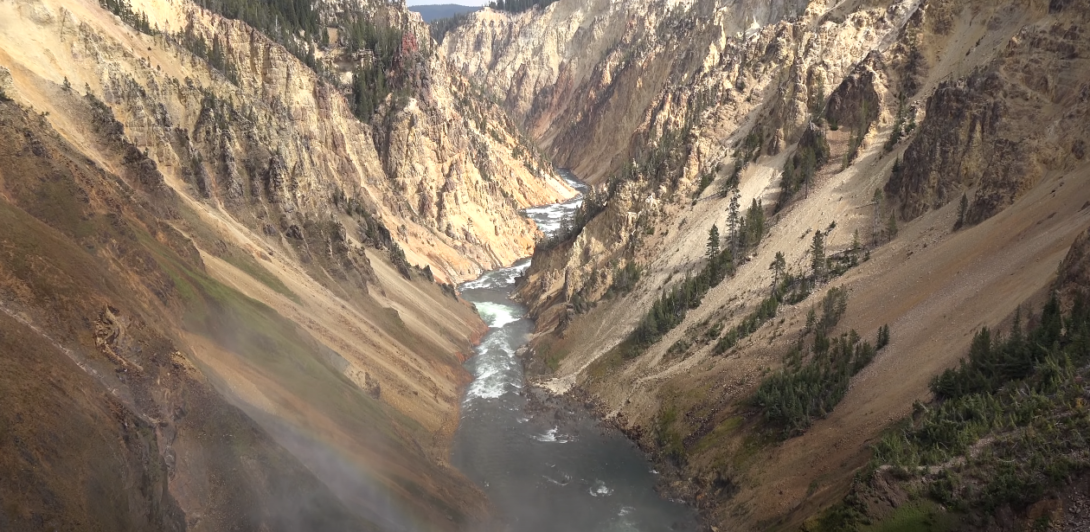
(544, 463)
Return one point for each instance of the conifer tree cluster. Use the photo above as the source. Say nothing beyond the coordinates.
(594, 202)
(439, 28)
(883, 337)
(809, 388)
(624, 279)
(215, 54)
(296, 25)
(123, 9)
(279, 19)
(745, 232)
(900, 128)
(664, 163)
(795, 397)
(518, 6)
(669, 310)
(372, 83)
(1009, 423)
(858, 132)
(765, 311)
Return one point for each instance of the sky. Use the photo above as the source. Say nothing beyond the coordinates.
(435, 2)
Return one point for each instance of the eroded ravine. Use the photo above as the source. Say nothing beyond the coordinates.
(546, 465)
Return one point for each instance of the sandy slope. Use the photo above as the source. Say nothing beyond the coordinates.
(933, 287)
(397, 341)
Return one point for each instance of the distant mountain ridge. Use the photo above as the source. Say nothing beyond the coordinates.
(438, 11)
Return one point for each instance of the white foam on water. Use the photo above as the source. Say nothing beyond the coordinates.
(550, 212)
(501, 278)
(549, 436)
(549, 218)
(489, 384)
(483, 281)
(599, 489)
(497, 315)
(495, 369)
(491, 341)
(552, 436)
(623, 523)
(562, 482)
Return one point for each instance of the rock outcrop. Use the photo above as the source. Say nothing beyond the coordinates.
(983, 133)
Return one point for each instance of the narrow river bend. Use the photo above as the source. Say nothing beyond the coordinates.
(547, 465)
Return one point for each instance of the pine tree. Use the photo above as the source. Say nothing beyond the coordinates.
(883, 336)
(898, 125)
(817, 255)
(809, 167)
(891, 226)
(733, 220)
(713, 242)
(779, 264)
(755, 222)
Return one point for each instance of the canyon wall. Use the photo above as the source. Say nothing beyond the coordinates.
(227, 301)
(866, 122)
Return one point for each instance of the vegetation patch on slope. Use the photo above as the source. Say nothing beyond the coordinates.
(1006, 427)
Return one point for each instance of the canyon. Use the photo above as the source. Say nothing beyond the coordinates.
(231, 250)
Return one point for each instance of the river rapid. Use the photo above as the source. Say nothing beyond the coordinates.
(545, 463)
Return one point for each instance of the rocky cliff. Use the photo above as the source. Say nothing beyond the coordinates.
(441, 170)
(846, 129)
(221, 288)
(583, 77)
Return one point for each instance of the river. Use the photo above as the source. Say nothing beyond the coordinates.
(547, 464)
